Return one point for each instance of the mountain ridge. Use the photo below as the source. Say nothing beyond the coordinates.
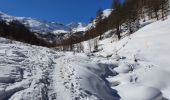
(41, 26)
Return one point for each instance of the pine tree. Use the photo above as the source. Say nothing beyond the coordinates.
(116, 16)
(99, 22)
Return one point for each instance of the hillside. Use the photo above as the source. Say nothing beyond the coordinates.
(137, 69)
(122, 54)
(142, 61)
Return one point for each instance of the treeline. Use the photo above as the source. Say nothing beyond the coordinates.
(126, 16)
(15, 30)
(129, 14)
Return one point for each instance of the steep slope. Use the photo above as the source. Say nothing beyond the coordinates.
(142, 61)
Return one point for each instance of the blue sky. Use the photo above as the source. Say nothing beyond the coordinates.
(63, 11)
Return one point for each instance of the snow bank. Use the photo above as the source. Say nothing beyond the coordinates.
(143, 62)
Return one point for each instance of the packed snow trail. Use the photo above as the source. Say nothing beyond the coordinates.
(76, 77)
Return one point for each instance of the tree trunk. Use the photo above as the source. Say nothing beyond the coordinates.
(118, 32)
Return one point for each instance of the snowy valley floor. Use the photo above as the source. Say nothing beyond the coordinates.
(36, 73)
(134, 68)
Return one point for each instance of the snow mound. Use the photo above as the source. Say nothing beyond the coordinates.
(138, 92)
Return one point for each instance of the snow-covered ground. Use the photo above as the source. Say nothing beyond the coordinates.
(134, 68)
(35, 73)
(143, 64)
(25, 71)
(78, 77)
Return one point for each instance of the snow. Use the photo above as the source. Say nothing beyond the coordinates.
(43, 27)
(152, 47)
(35, 25)
(30, 72)
(135, 68)
(142, 61)
(78, 27)
(106, 13)
(81, 27)
(153, 41)
(139, 92)
(60, 31)
(82, 79)
(23, 69)
(74, 25)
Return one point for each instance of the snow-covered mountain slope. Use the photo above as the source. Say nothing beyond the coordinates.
(81, 27)
(142, 61)
(35, 73)
(74, 25)
(42, 26)
(106, 13)
(77, 26)
(35, 24)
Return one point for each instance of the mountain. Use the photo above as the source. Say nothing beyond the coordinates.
(35, 25)
(43, 31)
(42, 26)
(53, 32)
(74, 25)
(118, 71)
